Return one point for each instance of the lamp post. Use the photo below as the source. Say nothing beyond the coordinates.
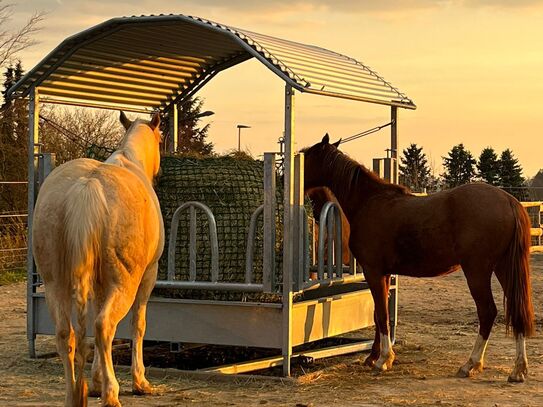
(241, 126)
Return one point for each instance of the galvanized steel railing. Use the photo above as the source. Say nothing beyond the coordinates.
(326, 227)
(192, 283)
(249, 254)
(330, 222)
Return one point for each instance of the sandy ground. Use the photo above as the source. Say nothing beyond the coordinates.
(438, 326)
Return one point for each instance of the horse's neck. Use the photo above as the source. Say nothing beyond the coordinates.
(134, 156)
(353, 190)
(126, 159)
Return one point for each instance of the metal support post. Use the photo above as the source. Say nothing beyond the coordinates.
(393, 298)
(173, 142)
(46, 164)
(394, 143)
(288, 235)
(268, 266)
(33, 138)
(298, 224)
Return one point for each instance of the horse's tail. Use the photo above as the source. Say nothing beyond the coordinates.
(515, 267)
(85, 217)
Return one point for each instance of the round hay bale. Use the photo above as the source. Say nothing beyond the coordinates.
(233, 189)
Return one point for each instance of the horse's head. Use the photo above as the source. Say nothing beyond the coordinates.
(317, 162)
(144, 138)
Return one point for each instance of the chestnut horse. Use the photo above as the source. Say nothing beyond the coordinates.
(476, 227)
(98, 234)
(319, 197)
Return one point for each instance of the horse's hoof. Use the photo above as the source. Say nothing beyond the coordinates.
(370, 361)
(462, 372)
(116, 403)
(142, 390)
(95, 393)
(380, 366)
(377, 370)
(469, 370)
(516, 377)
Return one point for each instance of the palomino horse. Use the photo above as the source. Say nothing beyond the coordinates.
(476, 227)
(98, 234)
(319, 196)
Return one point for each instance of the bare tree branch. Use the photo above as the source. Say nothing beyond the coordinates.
(14, 41)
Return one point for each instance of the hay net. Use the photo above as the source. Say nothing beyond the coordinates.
(233, 189)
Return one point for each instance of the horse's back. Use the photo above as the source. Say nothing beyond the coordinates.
(130, 214)
(433, 234)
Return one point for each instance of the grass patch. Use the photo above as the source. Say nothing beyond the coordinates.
(12, 276)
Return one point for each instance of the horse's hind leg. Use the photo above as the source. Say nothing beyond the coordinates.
(60, 305)
(140, 385)
(479, 282)
(96, 369)
(96, 375)
(115, 307)
(520, 370)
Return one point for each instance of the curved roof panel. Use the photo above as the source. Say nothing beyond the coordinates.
(149, 62)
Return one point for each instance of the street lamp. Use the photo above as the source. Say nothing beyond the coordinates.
(241, 126)
(203, 114)
(188, 118)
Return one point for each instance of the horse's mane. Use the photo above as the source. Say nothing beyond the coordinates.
(348, 173)
(125, 149)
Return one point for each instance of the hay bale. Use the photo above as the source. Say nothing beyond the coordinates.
(233, 190)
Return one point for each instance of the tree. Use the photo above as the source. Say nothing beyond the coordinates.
(13, 148)
(510, 171)
(72, 132)
(192, 138)
(14, 41)
(488, 166)
(459, 166)
(414, 171)
(13, 142)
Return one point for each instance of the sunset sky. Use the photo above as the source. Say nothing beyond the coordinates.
(474, 68)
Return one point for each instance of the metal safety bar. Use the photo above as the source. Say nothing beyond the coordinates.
(191, 205)
(249, 254)
(326, 227)
(214, 284)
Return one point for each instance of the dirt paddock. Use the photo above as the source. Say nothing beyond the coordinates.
(437, 329)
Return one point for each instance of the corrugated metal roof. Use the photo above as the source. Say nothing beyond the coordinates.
(147, 62)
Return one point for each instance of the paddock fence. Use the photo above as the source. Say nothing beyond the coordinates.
(534, 210)
(13, 224)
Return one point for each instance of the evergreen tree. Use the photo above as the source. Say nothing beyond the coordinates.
(510, 171)
(192, 138)
(414, 171)
(488, 166)
(13, 141)
(459, 166)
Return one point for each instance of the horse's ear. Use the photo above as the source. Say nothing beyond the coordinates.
(337, 143)
(125, 121)
(326, 139)
(155, 121)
